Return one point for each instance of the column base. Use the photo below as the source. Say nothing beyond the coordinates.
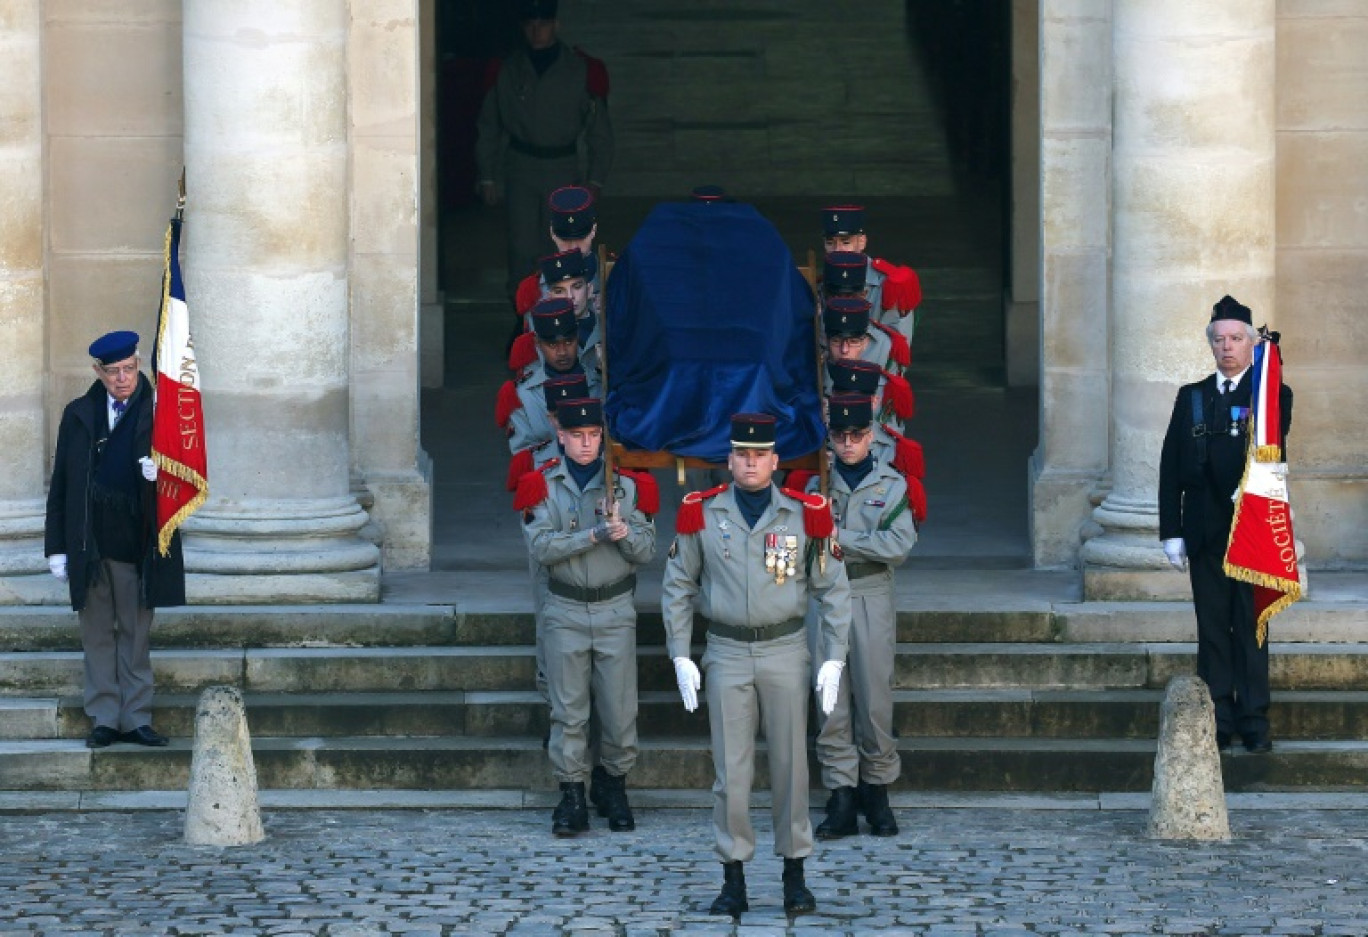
(266, 552)
(24, 576)
(1061, 504)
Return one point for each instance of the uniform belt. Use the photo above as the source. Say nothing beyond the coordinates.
(541, 152)
(591, 593)
(864, 570)
(766, 633)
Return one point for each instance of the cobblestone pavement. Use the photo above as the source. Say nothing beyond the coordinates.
(984, 872)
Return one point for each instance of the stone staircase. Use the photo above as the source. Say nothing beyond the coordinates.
(414, 697)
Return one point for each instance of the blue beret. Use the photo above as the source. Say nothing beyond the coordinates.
(115, 346)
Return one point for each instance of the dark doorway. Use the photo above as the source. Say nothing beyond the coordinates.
(900, 106)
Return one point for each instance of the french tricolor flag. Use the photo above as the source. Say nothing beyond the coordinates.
(1262, 548)
(177, 415)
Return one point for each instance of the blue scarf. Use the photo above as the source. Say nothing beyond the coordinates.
(584, 474)
(854, 474)
(752, 503)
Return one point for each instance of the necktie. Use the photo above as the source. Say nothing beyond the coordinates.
(1226, 385)
(119, 407)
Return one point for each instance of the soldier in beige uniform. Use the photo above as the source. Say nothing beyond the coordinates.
(875, 532)
(747, 557)
(893, 291)
(547, 97)
(842, 285)
(591, 539)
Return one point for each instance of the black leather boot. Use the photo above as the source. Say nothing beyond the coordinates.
(874, 805)
(596, 779)
(797, 898)
(613, 803)
(732, 900)
(571, 815)
(841, 818)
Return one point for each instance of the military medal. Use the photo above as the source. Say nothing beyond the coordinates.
(790, 555)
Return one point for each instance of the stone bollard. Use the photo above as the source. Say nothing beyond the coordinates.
(223, 783)
(1188, 799)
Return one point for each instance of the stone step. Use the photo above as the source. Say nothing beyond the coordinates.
(947, 764)
(507, 621)
(918, 666)
(979, 713)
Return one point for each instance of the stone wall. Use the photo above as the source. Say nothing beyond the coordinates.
(1322, 268)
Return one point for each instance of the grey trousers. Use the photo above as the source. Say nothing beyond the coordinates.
(528, 182)
(749, 686)
(591, 668)
(856, 741)
(115, 635)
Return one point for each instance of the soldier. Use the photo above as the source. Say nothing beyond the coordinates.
(843, 284)
(876, 531)
(545, 99)
(591, 538)
(893, 399)
(574, 225)
(557, 342)
(564, 275)
(893, 291)
(749, 556)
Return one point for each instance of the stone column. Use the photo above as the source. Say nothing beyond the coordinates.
(1075, 246)
(267, 229)
(1192, 219)
(23, 442)
(432, 311)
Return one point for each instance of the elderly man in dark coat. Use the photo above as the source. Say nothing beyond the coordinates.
(101, 538)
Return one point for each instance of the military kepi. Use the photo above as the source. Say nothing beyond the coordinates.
(554, 318)
(576, 414)
(850, 411)
(845, 316)
(572, 212)
(564, 387)
(854, 377)
(563, 266)
(838, 220)
(1228, 308)
(114, 346)
(537, 9)
(844, 272)
(752, 431)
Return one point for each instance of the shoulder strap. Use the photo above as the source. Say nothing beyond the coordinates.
(1199, 435)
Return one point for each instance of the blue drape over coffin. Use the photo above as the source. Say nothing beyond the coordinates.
(707, 316)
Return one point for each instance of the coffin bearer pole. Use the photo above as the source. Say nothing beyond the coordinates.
(223, 784)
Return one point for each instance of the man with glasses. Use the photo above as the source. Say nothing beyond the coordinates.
(101, 539)
(875, 532)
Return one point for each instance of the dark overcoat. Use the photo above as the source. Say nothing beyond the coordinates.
(69, 527)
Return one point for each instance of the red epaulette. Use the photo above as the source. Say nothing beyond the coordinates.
(817, 520)
(505, 404)
(901, 287)
(518, 466)
(689, 520)
(491, 75)
(647, 491)
(532, 488)
(595, 75)
(898, 396)
(899, 352)
(908, 460)
(916, 498)
(798, 479)
(527, 293)
(522, 352)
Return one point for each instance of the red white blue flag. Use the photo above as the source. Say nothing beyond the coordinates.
(177, 415)
(1263, 549)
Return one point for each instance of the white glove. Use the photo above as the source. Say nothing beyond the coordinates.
(690, 682)
(829, 683)
(149, 468)
(57, 562)
(1176, 551)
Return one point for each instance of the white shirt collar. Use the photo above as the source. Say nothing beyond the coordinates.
(1235, 381)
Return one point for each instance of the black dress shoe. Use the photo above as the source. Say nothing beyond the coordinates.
(144, 735)
(1259, 745)
(797, 898)
(101, 737)
(732, 900)
(841, 817)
